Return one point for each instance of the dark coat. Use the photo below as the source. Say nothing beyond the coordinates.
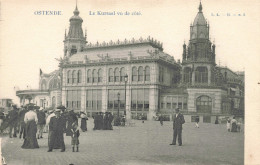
(21, 115)
(56, 124)
(71, 118)
(41, 117)
(13, 117)
(56, 129)
(178, 121)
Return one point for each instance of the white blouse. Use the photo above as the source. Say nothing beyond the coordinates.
(31, 115)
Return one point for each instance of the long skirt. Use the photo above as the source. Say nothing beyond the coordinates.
(83, 125)
(30, 141)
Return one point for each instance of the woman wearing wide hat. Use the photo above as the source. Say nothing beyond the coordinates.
(31, 120)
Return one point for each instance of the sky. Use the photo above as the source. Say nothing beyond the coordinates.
(30, 42)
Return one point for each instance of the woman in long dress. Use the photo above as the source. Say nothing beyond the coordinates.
(30, 119)
(84, 119)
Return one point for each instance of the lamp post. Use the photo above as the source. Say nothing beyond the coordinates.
(126, 79)
(118, 97)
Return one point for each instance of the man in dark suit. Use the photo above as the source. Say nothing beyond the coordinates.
(13, 121)
(178, 120)
(56, 129)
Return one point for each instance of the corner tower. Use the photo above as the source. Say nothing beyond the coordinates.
(198, 60)
(74, 41)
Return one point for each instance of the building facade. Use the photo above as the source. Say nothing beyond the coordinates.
(137, 78)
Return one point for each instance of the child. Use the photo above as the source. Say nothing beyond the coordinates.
(75, 136)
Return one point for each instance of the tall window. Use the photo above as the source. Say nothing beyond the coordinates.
(134, 74)
(122, 74)
(201, 75)
(187, 75)
(204, 104)
(117, 75)
(94, 99)
(111, 75)
(79, 76)
(100, 75)
(74, 76)
(161, 74)
(113, 103)
(89, 76)
(140, 73)
(95, 76)
(147, 73)
(140, 100)
(73, 99)
(53, 102)
(69, 77)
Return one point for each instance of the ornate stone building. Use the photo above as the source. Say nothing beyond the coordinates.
(135, 77)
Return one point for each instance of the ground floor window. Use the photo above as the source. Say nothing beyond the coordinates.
(116, 100)
(73, 99)
(204, 104)
(206, 119)
(140, 100)
(94, 99)
(173, 102)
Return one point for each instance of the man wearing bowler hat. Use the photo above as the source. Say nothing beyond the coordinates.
(178, 120)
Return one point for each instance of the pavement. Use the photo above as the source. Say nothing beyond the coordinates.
(144, 143)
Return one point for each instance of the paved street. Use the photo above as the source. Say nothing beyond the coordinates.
(145, 143)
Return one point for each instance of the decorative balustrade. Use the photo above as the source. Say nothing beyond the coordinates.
(153, 41)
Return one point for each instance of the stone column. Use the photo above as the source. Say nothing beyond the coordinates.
(104, 99)
(83, 99)
(63, 97)
(128, 102)
(153, 102)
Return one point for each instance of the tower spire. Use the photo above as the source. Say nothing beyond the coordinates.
(200, 7)
(76, 11)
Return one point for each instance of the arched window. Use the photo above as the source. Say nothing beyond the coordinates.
(53, 84)
(95, 76)
(100, 75)
(117, 75)
(140, 74)
(74, 76)
(111, 75)
(122, 74)
(68, 77)
(201, 75)
(204, 104)
(89, 76)
(134, 74)
(43, 85)
(147, 73)
(53, 100)
(79, 76)
(187, 75)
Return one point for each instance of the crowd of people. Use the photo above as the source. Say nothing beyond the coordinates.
(234, 125)
(30, 122)
(103, 121)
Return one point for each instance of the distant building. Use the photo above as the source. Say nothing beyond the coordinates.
(6, 104)
(135, 77)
